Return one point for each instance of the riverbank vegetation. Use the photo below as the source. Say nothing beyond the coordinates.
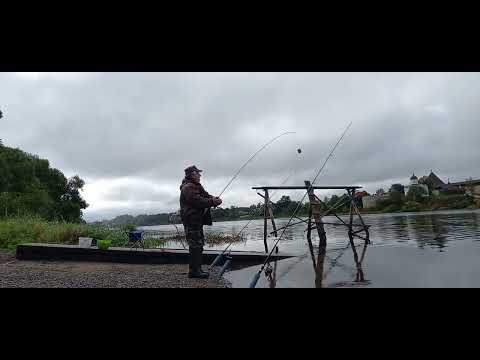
(34, 229)
(30, 187)
(415, 201)
(39, 204)
(283, 208)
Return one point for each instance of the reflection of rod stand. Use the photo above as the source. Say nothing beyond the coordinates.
(359, 275)
(315, 212)
(271, 274)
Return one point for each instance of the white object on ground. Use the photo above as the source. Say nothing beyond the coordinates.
(85, 242)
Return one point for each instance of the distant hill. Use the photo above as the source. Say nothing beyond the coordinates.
(218, 214)
(140, 220)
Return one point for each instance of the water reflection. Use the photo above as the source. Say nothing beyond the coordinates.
(435, 234)
(356, 271)
(271, 274)
(429, 230)
(434, 230)
(399, 228)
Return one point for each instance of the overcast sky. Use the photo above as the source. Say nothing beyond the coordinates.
(131, 135)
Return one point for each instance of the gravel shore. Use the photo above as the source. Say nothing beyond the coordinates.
(71, 274)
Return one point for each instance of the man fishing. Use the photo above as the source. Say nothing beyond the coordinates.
(195, 204)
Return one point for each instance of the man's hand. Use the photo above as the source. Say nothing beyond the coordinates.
(217, 201)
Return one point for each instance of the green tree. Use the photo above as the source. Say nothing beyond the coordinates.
(29, 186)
(425, 180)
(397, 188)
(397, 198)
(283, 205)
(1, 116)
(416, 194)
(71, 202)
(333, 201)
(411, 206)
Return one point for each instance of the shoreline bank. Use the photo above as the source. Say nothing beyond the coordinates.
(76, 274)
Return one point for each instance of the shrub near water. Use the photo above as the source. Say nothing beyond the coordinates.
(14, 231)
(212, 238)
(21, 230)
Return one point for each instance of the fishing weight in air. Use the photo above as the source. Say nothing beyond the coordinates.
(253, 156)
(255, 279)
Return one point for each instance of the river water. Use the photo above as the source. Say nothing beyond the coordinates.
(430, 249)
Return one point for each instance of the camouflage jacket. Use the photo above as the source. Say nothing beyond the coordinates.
(193, 202)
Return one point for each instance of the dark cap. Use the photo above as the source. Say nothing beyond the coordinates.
(191, 169)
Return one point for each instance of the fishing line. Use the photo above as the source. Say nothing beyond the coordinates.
(252, 157)
(257, 276)
(256, 212)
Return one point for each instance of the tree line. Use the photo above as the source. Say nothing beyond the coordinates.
(417, 199)
(284, 207)
(29, 186)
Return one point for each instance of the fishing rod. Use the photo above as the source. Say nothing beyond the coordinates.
(262, 207)
(248, 161)
(252, 157)
(257, 276)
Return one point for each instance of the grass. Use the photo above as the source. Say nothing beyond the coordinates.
(220, 238)
(31, 229)
(211, 238)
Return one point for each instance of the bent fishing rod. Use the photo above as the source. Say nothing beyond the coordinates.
(257, 276)
(257, 212)
(252, 157)
(249, 160)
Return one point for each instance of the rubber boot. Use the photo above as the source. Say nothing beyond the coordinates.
(200, 261)
(195, 263)
(191, 262)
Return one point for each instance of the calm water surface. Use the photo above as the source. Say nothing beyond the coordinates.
(431, 249)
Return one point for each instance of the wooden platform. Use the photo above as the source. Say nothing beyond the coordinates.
(53, 252)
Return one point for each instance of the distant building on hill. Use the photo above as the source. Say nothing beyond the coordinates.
(369, 202)
(431, 185)
(414, 183)
(436, 182)
(471, 187)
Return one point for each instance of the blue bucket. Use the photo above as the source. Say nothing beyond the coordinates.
(135, 236)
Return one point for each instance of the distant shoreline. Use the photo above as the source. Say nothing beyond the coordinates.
(367, 213)
(362, 213)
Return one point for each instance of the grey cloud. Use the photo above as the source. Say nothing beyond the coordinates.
(151, 126)
(135, 192)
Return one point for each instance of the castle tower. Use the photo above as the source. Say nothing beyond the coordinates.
(413, 180)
